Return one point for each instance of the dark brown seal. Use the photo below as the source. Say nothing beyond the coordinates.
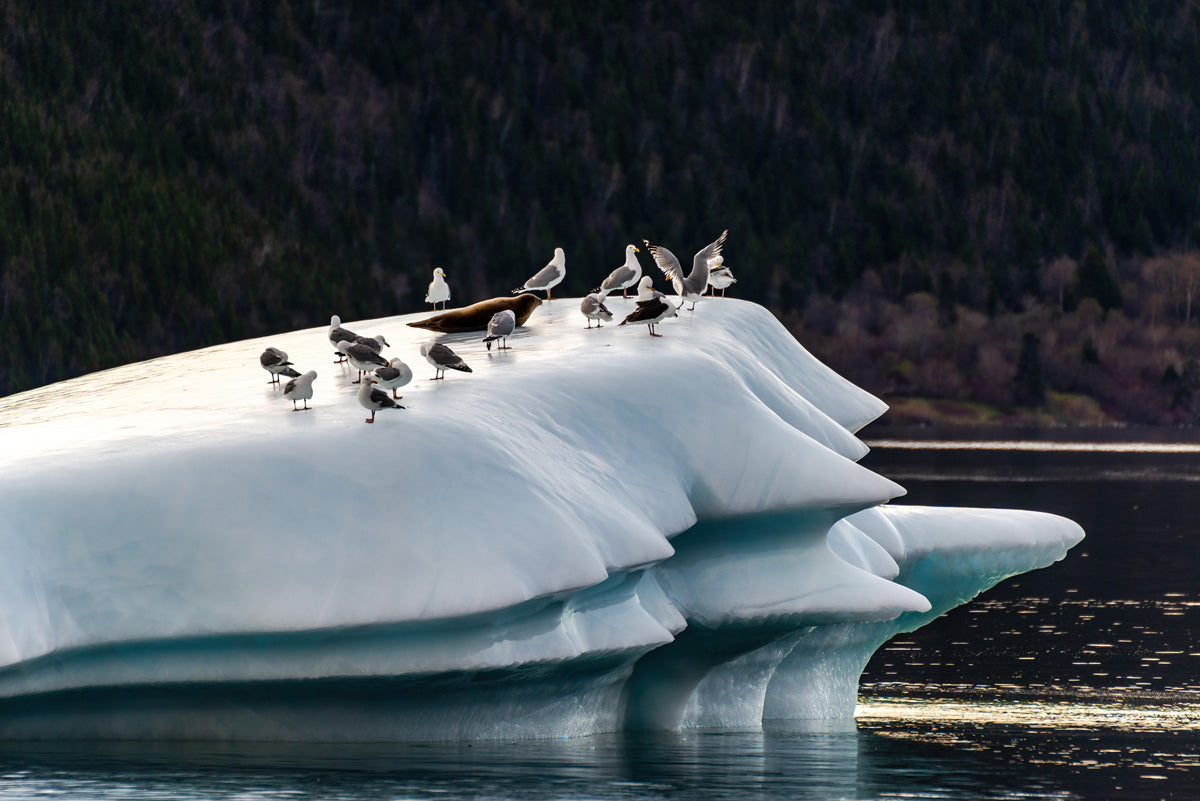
(476, 316)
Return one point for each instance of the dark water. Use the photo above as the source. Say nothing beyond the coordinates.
(1081, 681)
(840, 762)
(1087, 673)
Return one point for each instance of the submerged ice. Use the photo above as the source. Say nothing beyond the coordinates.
(594, 531)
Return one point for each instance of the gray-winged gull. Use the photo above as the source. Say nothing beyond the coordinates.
(300, 389)
(337, 334)
(548, 277)
(439, 290)
(719, 276)
(394, 376)
(624, 276)
(376, 343)
(652, 307)
(275, 362)
(693, 285)
(443, 359)
(499, 327)
(593, 308)
(362, 358)
(373, 399)
(646, 290)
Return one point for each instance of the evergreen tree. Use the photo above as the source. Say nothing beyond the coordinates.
(1095, 280)
(947, 298)
(1029, 386)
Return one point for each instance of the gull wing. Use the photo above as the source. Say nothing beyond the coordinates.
(700, 262)
(618, 277)
(365, 355)
(443, 355)
(544, 275)
(646, 310)
(665, 260)
(502, 323)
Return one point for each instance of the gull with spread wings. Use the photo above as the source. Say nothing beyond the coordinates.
(693, 285)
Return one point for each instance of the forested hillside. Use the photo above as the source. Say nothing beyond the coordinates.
(930, 194)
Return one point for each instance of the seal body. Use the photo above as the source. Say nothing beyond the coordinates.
(477, 316)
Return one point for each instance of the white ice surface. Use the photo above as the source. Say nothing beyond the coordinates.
(581, 515)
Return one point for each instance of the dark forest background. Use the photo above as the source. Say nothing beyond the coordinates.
(991, 203)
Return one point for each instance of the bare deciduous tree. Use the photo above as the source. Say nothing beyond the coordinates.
(1060, 274)
(1186, 271)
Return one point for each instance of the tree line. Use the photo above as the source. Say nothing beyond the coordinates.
(195, 171)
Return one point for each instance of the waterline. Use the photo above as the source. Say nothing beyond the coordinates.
(1035, 446)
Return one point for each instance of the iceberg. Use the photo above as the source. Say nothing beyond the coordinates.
(594, 531)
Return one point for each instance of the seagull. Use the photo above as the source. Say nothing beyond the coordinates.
(395, 375)
(275, 362)
(337, 334)
(373, 399)
(646, 290)
(548, 277)
(652, 307)
(720, 276)
(439, 290)
(443, 359)
(300, 388)
(361, 357)
(624, 276)
(499, 327)
(693, 285)
(375, 343)
(593, 308)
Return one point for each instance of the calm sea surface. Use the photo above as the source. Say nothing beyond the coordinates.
(1081, 681)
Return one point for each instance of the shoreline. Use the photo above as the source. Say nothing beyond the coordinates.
(930, 419)
(1060, 411)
